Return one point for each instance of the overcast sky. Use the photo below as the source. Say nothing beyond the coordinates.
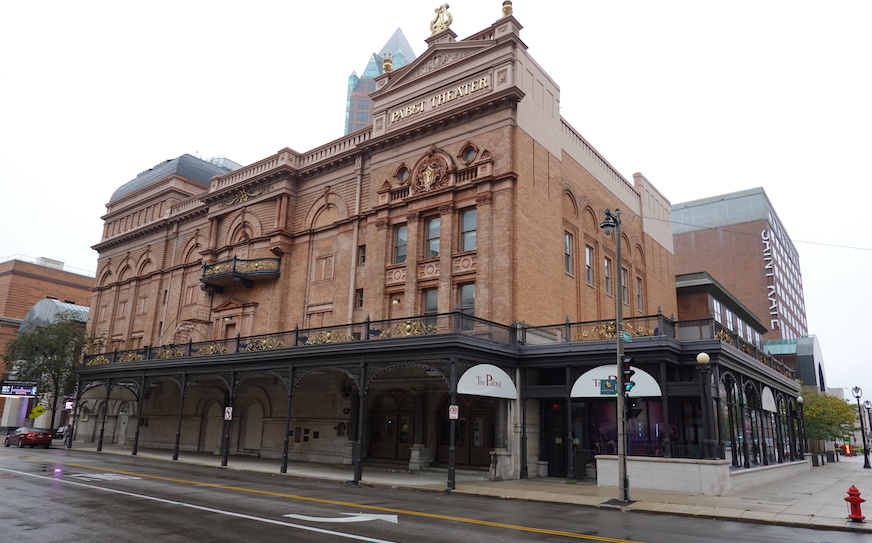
(704, 98)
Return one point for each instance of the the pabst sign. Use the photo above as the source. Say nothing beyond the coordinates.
(487, 380)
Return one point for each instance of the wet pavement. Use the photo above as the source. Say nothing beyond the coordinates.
(814, 499)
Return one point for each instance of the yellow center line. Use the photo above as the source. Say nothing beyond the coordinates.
(359, 506)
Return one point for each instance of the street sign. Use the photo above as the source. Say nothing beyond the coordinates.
(453, 412)
(36, 412)
(626, 336)
(228, 413)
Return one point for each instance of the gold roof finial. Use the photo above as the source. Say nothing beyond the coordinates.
(388, 64)
(507, 8)
(442, 20)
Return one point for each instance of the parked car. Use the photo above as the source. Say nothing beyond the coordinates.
(33, 437)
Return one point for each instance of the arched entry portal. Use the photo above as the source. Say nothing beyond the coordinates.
(212, 426)
(392, 425)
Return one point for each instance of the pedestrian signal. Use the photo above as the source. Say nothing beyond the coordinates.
(632, 410)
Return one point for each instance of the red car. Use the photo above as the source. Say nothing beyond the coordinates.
(34, 437)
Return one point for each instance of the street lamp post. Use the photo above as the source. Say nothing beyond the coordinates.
(800, 429)
(704, 368)
(612, 223)
(868, 405)
(858, 392)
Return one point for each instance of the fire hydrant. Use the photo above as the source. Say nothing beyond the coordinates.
(854, 500)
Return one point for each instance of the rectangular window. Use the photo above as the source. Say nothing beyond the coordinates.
(588, 264)
(608, 269)
(361, 116)
(324, 268)
(122, 309)
(142, 305)
(319, 319)
(358, 298)
(567, 253)
(361, 255)
(640, 300)
(729, 322)
(401, 239)
(625, 296)
(467, 230)
(191, 292)
(432, 229)
(716, 310)
(104, 310)
(431, 305)
(467, 305)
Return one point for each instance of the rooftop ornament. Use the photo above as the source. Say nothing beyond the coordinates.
(441, 21)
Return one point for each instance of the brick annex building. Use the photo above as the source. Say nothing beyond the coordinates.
(334, 305)
(26, 283)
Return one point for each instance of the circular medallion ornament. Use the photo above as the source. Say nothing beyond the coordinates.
(432, 173)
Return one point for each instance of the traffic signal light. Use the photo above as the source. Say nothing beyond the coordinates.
(632, 410)
(627, 373)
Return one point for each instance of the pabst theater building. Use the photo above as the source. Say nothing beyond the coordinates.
(434, 290)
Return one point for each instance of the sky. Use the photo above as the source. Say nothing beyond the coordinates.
(703, 98)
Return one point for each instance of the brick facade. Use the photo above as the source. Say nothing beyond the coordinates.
(316, 210)
(23, 284)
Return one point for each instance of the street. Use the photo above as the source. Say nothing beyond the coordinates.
(60, 495)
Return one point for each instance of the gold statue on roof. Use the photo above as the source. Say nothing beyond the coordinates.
(507, 8)
(442, 20)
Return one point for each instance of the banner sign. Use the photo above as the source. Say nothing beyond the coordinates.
(17, 388)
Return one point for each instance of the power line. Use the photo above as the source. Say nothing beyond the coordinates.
(724, 229)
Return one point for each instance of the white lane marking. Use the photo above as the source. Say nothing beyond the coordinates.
(354, 517)
(201, 508)
(102, 476)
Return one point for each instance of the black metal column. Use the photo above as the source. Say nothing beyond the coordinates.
(522, 395)
(228, 425)
(452, 451)
(664, 401)
(358, 442)
(570, 454)
(71, 434)
(142, 390)
(287, 441)
(105, 415)
(183, 394)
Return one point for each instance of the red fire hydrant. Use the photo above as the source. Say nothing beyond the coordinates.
(854, 500)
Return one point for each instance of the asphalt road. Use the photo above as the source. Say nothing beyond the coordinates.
(58, 495)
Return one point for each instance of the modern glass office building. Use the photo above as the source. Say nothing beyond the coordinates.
(358, 106)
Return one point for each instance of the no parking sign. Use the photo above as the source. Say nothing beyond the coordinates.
(228, 413)
(453, 412)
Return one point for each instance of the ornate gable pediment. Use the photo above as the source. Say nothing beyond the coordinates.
(231, 305)
(438, 58)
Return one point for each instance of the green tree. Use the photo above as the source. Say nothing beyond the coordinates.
(48, 355)
(827, 417)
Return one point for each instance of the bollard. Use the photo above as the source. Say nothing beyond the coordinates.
(854, 500)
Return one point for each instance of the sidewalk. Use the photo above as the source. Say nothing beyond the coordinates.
(812, 500)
